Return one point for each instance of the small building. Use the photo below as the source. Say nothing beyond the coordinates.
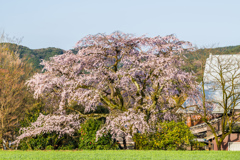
(214, 93)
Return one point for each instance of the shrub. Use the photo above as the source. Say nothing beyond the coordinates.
(143, 141)
(169, 136)
(47, 140)
(44, 141)
(87, 138)
(105, 143)
(49, 147)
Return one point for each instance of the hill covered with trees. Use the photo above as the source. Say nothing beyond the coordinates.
(34, 56)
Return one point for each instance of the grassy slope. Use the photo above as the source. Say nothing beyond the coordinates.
(121, 155)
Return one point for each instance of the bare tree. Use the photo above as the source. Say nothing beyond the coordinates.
(218, 94)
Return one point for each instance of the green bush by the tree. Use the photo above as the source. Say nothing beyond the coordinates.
(44, 141)
(169, 136)
(87, 138)
(49, 141)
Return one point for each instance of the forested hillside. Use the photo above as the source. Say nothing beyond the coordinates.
(34, 56)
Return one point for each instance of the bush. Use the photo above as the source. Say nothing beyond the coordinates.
(32, 114)
(169, 136)
(49, 147)
(143, 141)
(67, 147)
(49, 141)
(105, 143)
(44, 141)
(87, 138)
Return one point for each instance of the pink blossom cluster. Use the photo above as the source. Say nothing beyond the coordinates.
(125, 124)
(60, 124)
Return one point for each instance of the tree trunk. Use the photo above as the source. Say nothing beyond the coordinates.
(219, 146)
(29, 146)
(1, 139)
(1, 135)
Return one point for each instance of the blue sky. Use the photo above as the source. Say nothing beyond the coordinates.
(61, 23)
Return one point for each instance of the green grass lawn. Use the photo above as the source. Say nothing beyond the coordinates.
(120, 155)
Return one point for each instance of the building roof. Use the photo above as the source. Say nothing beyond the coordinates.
(228, 64)
(212, 135)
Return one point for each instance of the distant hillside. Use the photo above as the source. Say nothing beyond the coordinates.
(34, 56)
